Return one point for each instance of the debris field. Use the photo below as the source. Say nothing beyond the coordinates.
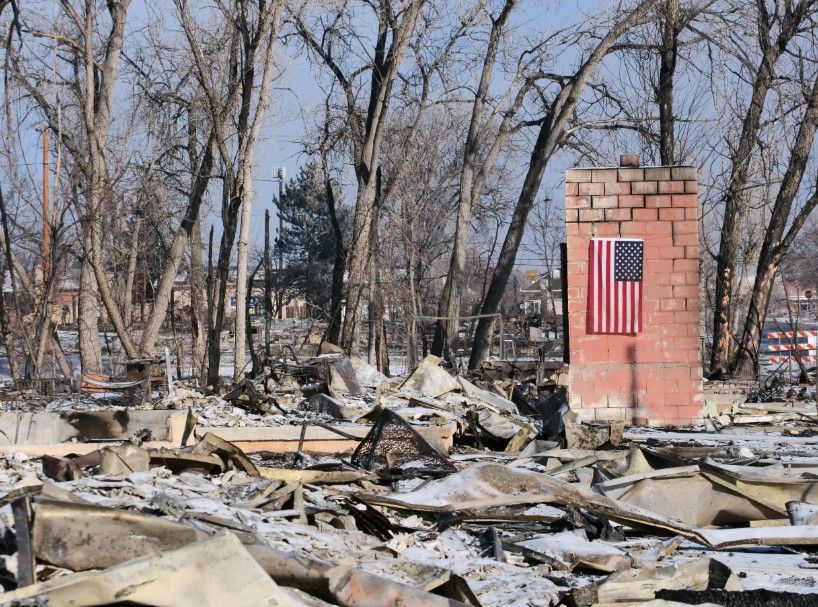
(324, 482)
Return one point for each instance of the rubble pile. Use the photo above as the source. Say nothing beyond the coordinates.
(324, 482)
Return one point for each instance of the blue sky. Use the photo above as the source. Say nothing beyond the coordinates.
(296, 96)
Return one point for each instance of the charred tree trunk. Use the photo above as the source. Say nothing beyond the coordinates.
(89, 343)
(381, 339)
(734, 197)
(198, 316)
(220, 277)
(472, 177)
(133, 255)
(338, 265)
(255, 358)
(372, 279)
(667, 70)
(45, 330)
(360, 251)
(775, 243)
(242, 291)
(181, 238)
(211, 306)
(552, 134)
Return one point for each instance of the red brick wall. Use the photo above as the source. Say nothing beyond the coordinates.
(655, 375)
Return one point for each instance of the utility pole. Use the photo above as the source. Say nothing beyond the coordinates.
(279, 174)
(46, 207)
(268, 297)
(211, 295)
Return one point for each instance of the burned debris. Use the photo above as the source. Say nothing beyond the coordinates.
(357, 489)
(468, 358)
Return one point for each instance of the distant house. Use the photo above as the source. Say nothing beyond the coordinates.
(543, 294)
(294, 307)
(803, 300)
(794, 299)
(66, 307)
(64, 302)
(542, 305)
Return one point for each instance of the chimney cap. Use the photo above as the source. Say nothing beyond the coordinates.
(629, 160)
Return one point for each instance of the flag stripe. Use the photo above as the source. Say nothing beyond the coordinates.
(616, 293)
(600, 287)
(591, 298)
(631, 301)
(628, 310)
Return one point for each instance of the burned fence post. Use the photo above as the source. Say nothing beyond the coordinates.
(22, 529)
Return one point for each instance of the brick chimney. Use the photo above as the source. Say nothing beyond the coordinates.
(653, 376)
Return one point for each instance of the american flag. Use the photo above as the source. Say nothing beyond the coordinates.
(615, 285)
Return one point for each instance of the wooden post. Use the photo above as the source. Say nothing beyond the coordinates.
(46, 207)
(411, 345)
(280, 281)
(209, 281)
(816, 376)
(26, 574)
(168, 377)
(268, 297)
(502, 340)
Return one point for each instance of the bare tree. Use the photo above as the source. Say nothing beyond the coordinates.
(95, 71)
(416, 219)
(490, 122)
(548, 231)
(249, 45)
(201, 165)
(781, 232)
(395, 24)
(100, 82)
(775, 31)
(198, 302)
(552, 134)
(339, 265)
